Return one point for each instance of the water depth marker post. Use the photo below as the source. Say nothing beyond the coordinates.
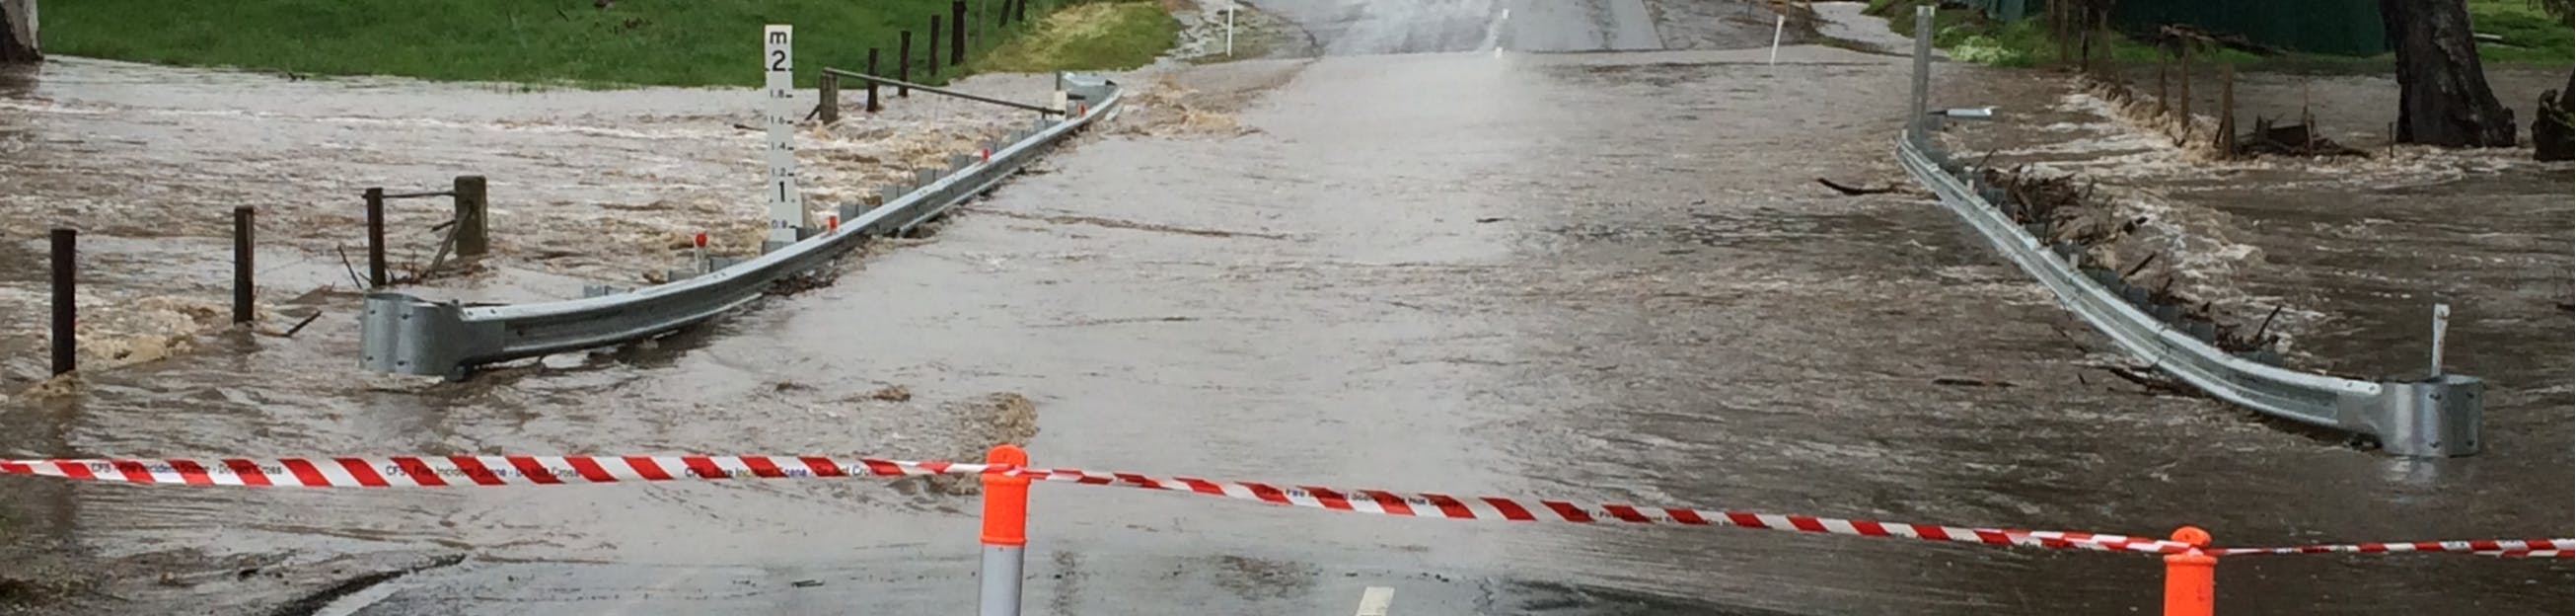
(786, 208)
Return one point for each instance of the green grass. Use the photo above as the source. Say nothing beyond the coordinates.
(1110, 35)
(567, 42)
(1967, 36)
(2534, 37)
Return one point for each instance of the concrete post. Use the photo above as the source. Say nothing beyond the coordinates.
(473, 217)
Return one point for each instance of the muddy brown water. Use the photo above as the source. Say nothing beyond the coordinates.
(1596, 277)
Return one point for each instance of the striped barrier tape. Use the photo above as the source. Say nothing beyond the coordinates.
(1496, 508)
(444, 471)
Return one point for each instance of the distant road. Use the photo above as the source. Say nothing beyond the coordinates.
(1364, 27)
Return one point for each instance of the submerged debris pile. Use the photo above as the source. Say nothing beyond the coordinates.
(2073, 219)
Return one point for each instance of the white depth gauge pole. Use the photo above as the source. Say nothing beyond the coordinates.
(786, 208)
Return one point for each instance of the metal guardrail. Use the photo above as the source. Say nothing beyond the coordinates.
(2435, 417)
(408, 335)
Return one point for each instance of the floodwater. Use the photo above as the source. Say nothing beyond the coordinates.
(602, 186)
(1596, 277)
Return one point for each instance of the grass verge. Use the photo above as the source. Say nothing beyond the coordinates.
(585, 43)
(1094, 36)
(2531, 38)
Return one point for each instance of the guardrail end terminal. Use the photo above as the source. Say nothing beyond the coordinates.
(2439, 417)
(401, 334)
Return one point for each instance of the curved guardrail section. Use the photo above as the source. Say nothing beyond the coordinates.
(407, 335)
(2430, 418)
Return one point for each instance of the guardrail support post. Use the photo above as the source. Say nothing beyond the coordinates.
(934, 46)
(828, 90)
(956, 32)
(473, 224)
(1005, 538)
(2191, 578)
(66, 305)
(2441, 324)
(1914, 122)
(242, 290)
(903, 63)
(375, 238)
(873, 106)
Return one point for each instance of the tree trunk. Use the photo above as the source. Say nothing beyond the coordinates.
(18, 32)
(2442, 93)
(2552, 137)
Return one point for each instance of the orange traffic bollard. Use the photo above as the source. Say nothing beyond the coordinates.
(2191, 578)
(1006, 532)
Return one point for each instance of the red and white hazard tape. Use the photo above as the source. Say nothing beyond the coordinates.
(2529, 548)
(1495, 508)
(440, 471)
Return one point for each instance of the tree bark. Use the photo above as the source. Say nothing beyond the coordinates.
(2442, 93)
(18, 32)
(2552, 136)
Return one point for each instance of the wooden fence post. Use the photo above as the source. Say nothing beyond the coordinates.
(829, 90)
(873, 106)
(956, 32)
(242, 269)
(473, 220)
(2226, 136)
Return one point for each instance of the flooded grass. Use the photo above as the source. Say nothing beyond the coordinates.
(589, 43)
(1116, 35)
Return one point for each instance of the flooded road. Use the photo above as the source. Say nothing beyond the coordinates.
(1595, 277)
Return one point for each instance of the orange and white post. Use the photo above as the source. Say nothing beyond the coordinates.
(2191, 578)
(1006, 532)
